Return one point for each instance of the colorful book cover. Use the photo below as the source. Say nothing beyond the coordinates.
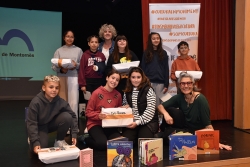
(150, 151)
(208, 141)
(183, 147)
(119, 153)
(86, 158)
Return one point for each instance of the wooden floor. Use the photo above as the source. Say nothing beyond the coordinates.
(14, 149)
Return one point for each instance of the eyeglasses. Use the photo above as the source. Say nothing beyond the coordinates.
(69, 37)
(186, 83)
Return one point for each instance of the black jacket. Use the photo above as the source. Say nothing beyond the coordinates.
(142, 105)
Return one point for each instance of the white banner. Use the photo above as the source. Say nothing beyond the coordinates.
(175, 22)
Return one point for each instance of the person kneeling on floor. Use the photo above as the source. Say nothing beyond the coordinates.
(48, 113)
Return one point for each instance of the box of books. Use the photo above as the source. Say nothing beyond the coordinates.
(150, 150)
(208, 141)
(182, 146)
(117, 117)
(125, 67)
(120, 152)
(86, 158)
(58, 154)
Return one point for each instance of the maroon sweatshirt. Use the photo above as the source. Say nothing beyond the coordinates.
(86, 66)
(99, 99)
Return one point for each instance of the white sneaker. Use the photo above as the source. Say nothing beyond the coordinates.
(60, 143)
(68, 132)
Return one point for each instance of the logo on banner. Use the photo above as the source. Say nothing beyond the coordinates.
(16, 33)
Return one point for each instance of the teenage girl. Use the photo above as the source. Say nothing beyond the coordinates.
(121, 54)
(92, 66)
(155, 65)
(107, 97)
(69, 88)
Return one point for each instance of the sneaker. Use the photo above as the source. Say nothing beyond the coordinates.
(60, 143)
(68, 132)
(82, 138)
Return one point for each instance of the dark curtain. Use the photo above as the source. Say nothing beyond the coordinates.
(215, 51)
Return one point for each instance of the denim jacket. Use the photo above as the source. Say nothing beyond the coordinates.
(110, 49)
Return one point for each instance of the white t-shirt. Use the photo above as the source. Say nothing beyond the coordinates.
(106, 54)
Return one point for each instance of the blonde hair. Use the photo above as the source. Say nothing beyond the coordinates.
(51, 78)
(107, 26)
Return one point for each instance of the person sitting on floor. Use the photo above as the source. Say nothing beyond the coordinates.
(140, 96)
(193, 111)
(107, 97)
(48, 113)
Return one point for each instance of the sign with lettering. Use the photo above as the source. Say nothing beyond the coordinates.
(175, 22)
(117, 117)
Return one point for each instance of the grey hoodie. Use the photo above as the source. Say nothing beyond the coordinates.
(42, 111)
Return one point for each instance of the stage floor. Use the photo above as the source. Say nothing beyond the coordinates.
(14, 149)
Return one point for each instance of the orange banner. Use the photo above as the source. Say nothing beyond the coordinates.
(119, 116)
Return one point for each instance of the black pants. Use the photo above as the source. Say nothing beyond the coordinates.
(178, 125)
(141, 131)
(99, 137)
(93, 84)
(60, 123)
(178, 117)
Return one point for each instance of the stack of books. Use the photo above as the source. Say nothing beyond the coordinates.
(150, 150)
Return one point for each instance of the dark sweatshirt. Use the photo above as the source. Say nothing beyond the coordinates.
(42, 111)
(88, 60)
(157, 70)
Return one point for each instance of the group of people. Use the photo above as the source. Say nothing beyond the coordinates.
(139, 89)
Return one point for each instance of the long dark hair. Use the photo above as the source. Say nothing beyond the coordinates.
(149, 49)
(145, 81)
(115, 53)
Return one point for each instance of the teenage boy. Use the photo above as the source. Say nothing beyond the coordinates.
(48, 113)
(183, 62)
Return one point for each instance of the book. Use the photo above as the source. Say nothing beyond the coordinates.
(183, 146)
(86, 158)
(208, 141)
(164, 97)
(120, 152)
(150, 150)
(58, 154)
